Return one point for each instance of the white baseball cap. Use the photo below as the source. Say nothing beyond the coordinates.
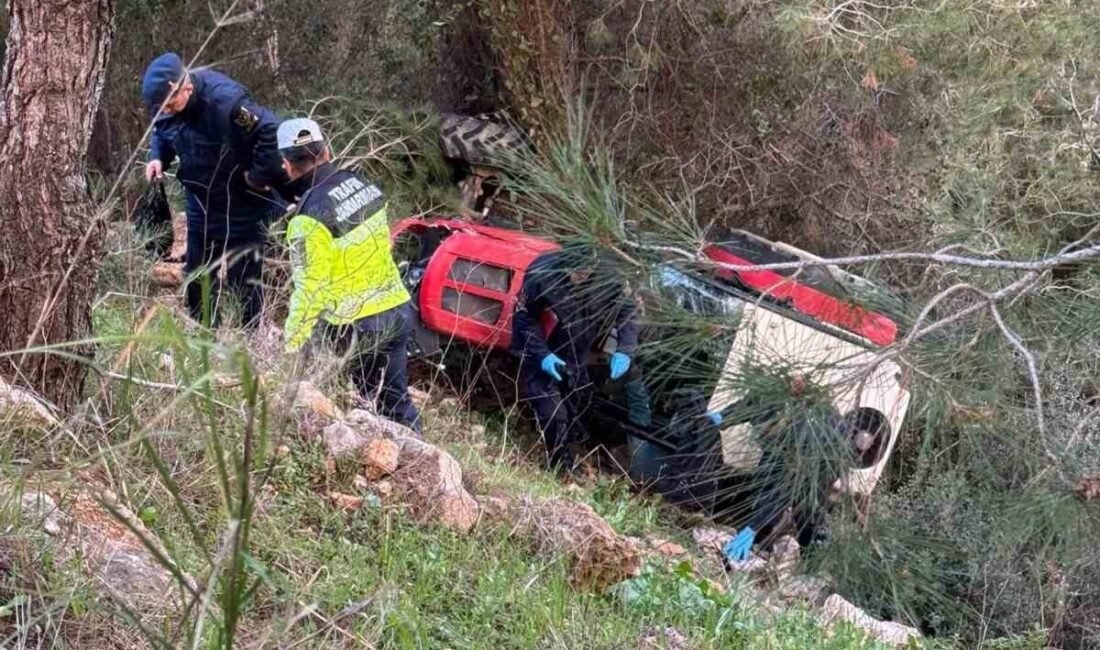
(298, 132)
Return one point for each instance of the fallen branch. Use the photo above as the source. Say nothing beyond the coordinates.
(219, 381)
(1066, 257)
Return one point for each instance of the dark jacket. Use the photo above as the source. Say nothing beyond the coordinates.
(221, 135)
(805, 450)
(585, 312)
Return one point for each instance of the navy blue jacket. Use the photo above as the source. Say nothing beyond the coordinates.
(220, 135)
(804, 451)
(586, 312)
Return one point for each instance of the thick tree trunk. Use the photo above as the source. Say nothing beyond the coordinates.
(50, 238)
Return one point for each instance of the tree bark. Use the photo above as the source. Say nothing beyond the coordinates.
(50, 237)
(267, 31)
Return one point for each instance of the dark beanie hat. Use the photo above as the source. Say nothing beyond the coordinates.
(154, 87)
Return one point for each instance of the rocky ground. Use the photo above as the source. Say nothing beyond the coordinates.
(128, 564)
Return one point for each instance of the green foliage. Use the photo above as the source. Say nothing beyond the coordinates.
(397, 148)
(980, 533)
(1005, 94)
(271, 555)
(626, 512)
(657, 588)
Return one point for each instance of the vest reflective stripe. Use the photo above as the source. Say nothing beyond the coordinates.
(341, 279)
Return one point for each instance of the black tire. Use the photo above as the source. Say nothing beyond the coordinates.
(480, 140)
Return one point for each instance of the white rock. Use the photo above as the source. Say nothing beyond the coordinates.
(836, 609)
(168, 363)
(786, 554)
(429, 481)
(808, 589)
(341, 439)
(27, 405)
(373, 425)
(39, 508)
(754, 565)
(712, 540)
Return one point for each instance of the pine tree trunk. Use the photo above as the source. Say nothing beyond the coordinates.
(267, 31)
(50, 238)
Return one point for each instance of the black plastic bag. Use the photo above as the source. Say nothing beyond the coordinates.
(153, 221)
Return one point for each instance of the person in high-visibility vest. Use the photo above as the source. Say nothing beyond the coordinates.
(343, 270)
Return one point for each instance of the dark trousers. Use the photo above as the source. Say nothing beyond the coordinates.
(244, 260)
(378, 361)
(559, 408)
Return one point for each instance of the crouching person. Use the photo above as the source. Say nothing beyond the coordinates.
(586, 298)
(806, 449)
(343, 271)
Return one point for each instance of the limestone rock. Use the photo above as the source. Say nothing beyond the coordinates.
(836, 608)
(373, 425)
(755, 566)
(167, 274)
(341, 439)
(384, 489)
(39, 509)
(429, 481)
(807, 589)
(310, 409)
(711, 540)
(785, 557)
(380, 458)
(346, 502)
(600, 557)
(667, 548)
(116, 557)
(25, 405)
(306, 396)
(497, 509)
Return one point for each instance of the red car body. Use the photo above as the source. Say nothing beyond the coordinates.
(799, 295)
(474, 276)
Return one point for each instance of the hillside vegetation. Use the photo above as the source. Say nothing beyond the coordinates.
(846, 127)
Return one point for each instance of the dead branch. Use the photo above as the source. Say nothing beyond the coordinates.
(1066, 257)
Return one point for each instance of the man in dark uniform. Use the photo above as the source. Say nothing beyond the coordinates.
(806, 447)
(228, 164)
(586, 300)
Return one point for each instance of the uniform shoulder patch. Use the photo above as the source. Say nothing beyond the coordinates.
(245, 118)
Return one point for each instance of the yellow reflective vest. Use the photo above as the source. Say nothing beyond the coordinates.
(341, 257)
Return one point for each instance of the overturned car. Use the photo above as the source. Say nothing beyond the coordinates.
(465, 279)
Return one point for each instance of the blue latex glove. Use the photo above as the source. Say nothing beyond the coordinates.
(550, 365)
(715, 417)
(620, 363)
(739, 546)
